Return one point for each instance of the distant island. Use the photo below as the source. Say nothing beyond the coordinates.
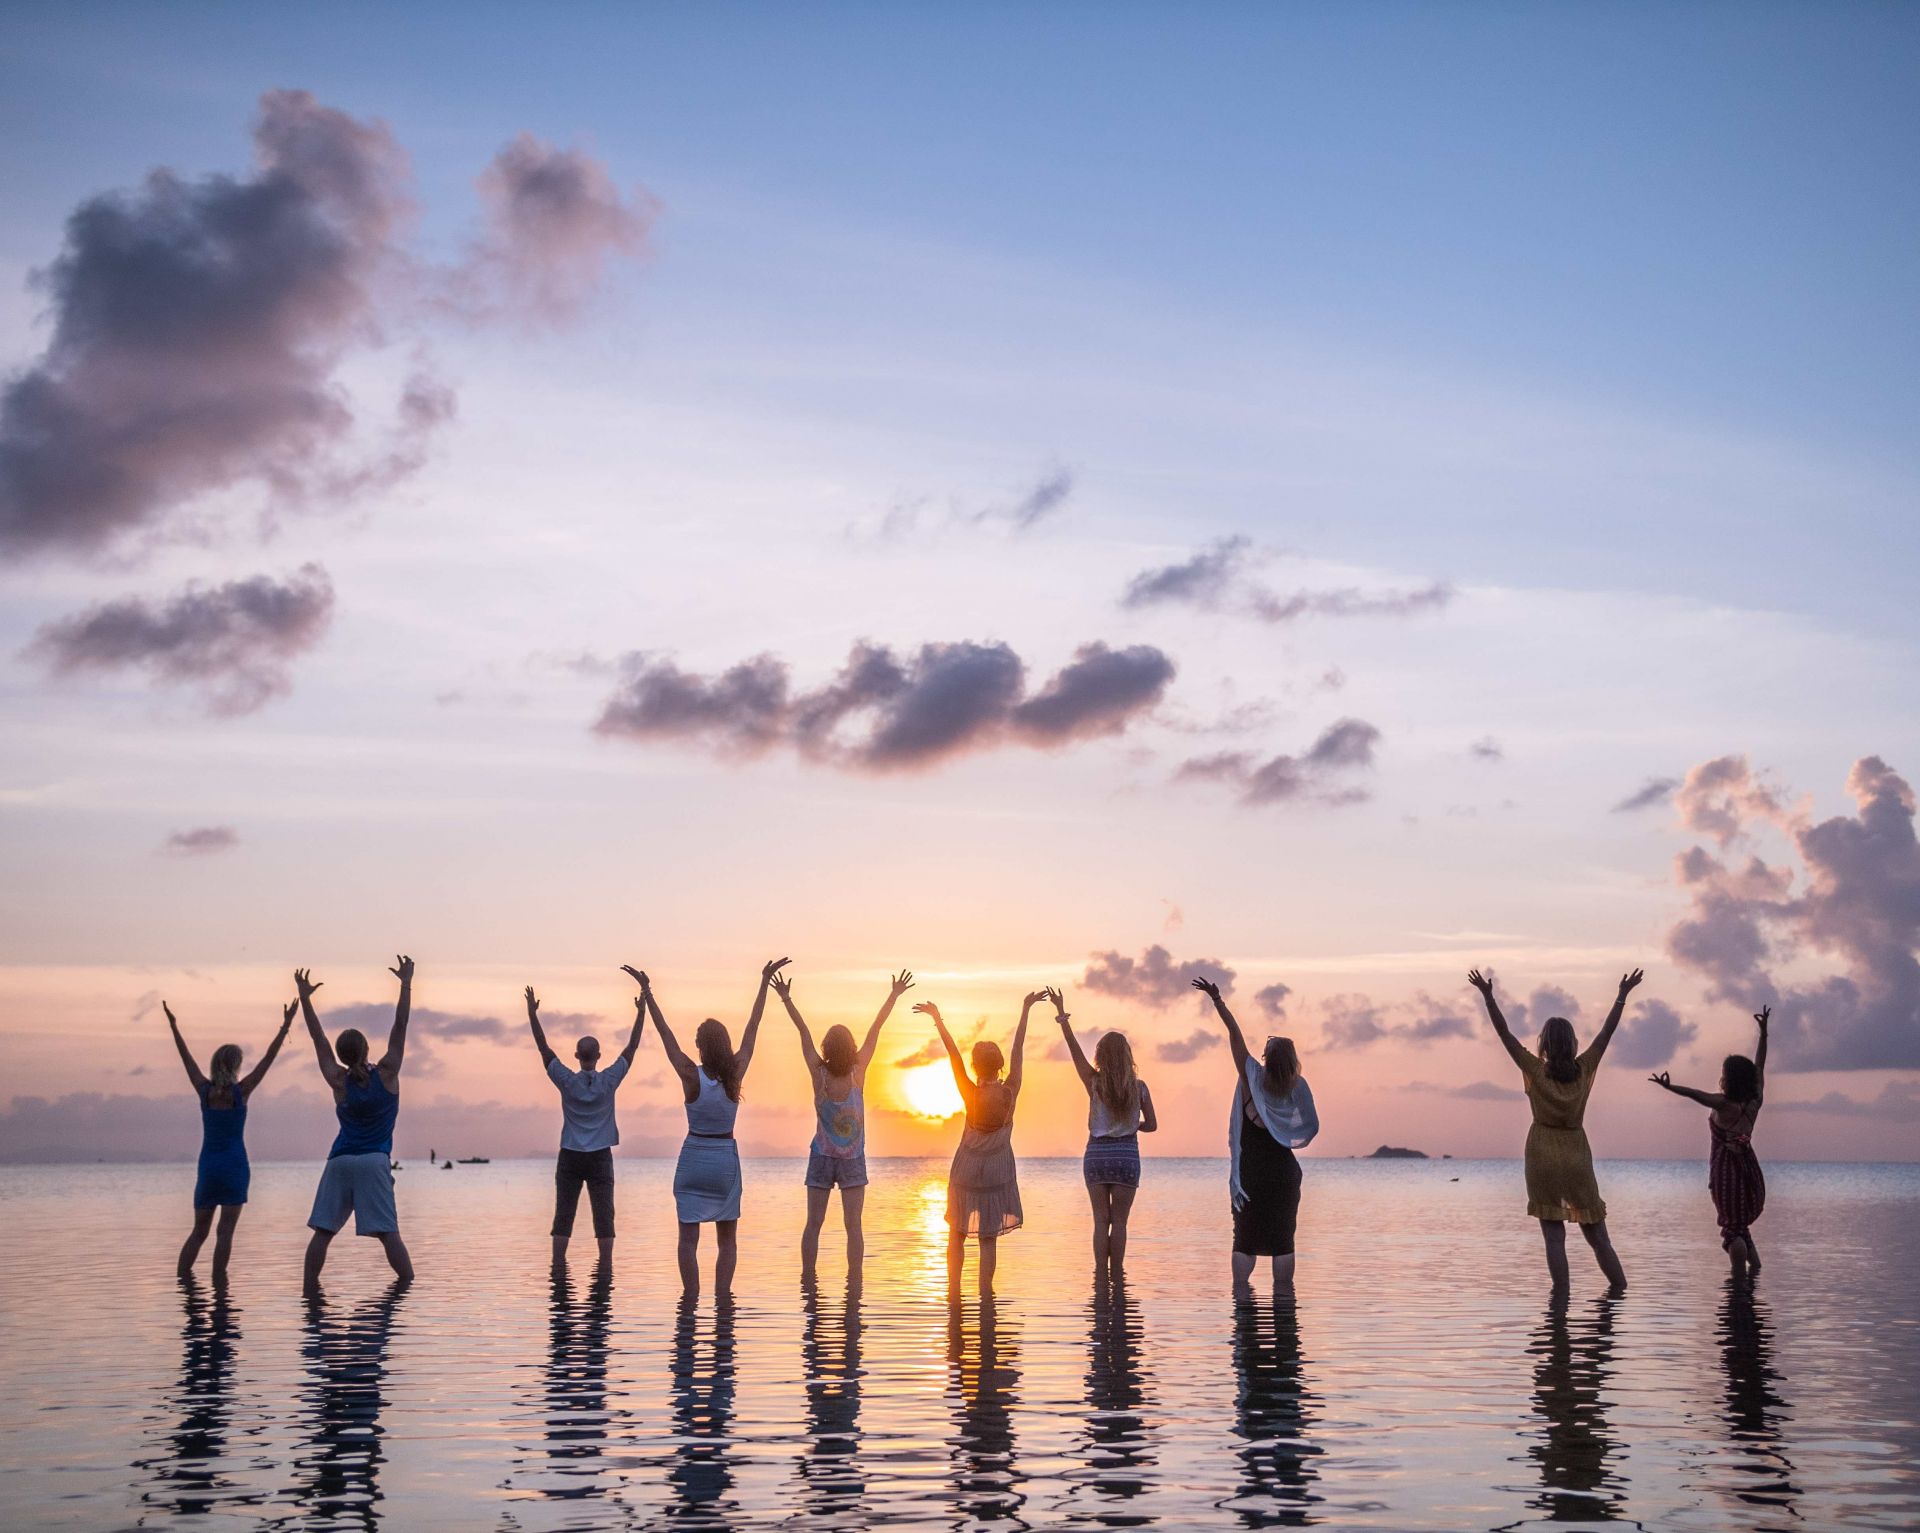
(1394, 1152)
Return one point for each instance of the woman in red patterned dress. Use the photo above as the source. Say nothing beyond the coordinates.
(1733, 1175)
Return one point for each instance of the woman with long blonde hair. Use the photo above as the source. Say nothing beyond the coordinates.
(224, 1173)
(1119, 1111)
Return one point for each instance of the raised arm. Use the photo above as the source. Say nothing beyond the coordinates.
(1607, 1028)
(768, 972)
(1763, 1016)
(194, 1072)
(1235, 1039)
(960, 1076)
(1016, 1066)
(1484, 985)
(783, 988)
(639, 1028)
(1061, 1015)
(259, 1072)
(396, 1054)
(539, 1032)
(330, 1067)
(676, 1056)
(902, 983)
(1711, 1099)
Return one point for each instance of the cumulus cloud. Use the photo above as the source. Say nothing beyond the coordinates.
(1898, 1101)
(886, 712)
(1180, 1050)
(555, 221)
(231, 642)
(1312, 777)
(1650, 1036)
(201, 841)
(1854, 900)
(1272, 1001)
(1154, 979)
(1652, 793)
(1356, 1022)
(1221, 578)
(1472, 1091)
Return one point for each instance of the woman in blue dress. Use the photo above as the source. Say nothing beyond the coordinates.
(221, 1186)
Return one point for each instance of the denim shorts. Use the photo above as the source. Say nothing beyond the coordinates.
(825, 1171)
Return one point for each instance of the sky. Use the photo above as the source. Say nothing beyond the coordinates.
(1321, 497)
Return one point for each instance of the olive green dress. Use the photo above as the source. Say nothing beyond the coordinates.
(1560, 1181)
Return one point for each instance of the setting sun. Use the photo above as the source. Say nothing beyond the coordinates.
(929, 1091)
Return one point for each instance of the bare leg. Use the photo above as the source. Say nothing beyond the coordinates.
(559, 1250)
(1603, 1253)
(810, 1237)
(190, 1252)
(223, 1238)
(989, 1258)
(1554, 1232)
(1099, 1196)
(1117, 1235)
(689, 1254)
(1242, 1274)
(1753, 1253)
(956, 1259)
(606, 1250)
(316, 1259)
(727, 1232)
(1283, 1276)
(853, 1203)
(397, 1257)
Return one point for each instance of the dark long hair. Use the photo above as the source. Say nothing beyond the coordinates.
(351, 1046)
(714, 1045)
(1560, 1049)
(1281, 1063)
(1739, 1078)
(838, 1052)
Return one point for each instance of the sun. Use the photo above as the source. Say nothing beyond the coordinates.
(929, 1092)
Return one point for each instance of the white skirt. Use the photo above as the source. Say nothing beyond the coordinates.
(706, 1180)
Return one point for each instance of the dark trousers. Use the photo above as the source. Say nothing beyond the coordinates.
(594, 1168)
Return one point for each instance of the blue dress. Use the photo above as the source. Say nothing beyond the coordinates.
(224, 1172)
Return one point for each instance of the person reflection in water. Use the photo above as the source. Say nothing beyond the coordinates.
(1755, 1413)
(193, 1479)
(830, 1363)
(1273, 1412)
(337, 1470)
(576, 1384)
(1119, 1454)
(1572, 1371)
(702, 1408)
(983, 1373)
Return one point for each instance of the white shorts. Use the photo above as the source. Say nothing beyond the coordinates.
(361, 1185)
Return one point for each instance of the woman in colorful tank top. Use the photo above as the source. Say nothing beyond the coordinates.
(838, 1157)
(1733, 1170)
(1119, 1111)
(224, 1174)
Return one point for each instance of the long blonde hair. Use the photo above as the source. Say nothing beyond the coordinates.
(1113, 1074)
(223, 1073)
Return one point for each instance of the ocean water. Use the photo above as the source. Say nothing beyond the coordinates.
(1421, 1379)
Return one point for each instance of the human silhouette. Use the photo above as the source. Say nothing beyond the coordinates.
(1118, 1449)
(706, 1178)
(830, 1363)
(1561, 1186)
(702, 1412)
(1272, 1116)
(588, 1131)
(1733, 1170)
(1754, 1410)
(983, 1373)
(1574, 1447)
(358, 1180)
(577, 1420)
(1119, 1111)
(1274, 1411)
(337, 1467)
(838, 1156)
(224, 1174)
(193, 1479)
(983, 1184)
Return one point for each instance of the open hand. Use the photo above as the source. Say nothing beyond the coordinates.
(533, 1005)
(402, 968)
(929, 1009)
(1052, 993)
(1480, 982)
(902, 983)
(1207, 987)
(1628, 981)
(287, 1014)
(782, 986)
(304, 980)
(1034, 998)
(638, 976)
(771, 968)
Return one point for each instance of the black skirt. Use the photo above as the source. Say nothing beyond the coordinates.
(1270, 1177)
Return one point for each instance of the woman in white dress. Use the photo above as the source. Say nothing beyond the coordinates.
(706, 1180)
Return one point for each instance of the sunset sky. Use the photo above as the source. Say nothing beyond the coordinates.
(1319, 496)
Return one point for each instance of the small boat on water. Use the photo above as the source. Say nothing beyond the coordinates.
(476, 1160)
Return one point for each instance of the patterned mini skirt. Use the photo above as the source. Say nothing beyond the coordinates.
(1112, 1162)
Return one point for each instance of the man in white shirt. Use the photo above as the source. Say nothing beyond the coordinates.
(588, 1132)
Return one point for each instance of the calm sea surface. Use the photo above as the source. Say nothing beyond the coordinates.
(1422, 1380)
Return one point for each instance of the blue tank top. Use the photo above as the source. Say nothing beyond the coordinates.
(366, 1112)
(223, 1129)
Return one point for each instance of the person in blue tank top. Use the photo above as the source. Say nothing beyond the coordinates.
(358, 1179)
(221, 1185)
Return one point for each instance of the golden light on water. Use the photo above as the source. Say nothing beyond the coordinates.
(928, 1091)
